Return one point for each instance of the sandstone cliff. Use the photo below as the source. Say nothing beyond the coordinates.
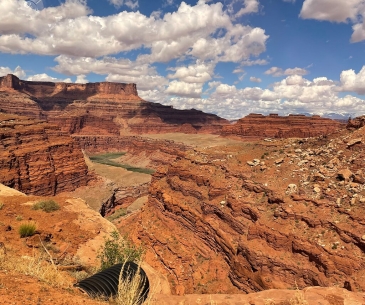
(274, 126)
(14, 102)
(104, 108)
(50, 94)
(37, 158)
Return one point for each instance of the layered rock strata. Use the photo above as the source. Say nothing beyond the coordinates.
(123, 197)
(106, 108)
(50, 95)
(37, 158)
(13, 102)
(214, 223)
(274, 126)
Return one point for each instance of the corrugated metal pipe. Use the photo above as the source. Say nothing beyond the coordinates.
(105, 283)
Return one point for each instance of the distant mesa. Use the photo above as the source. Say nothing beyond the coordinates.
(256, 125)
(102, 108)
(106, 108)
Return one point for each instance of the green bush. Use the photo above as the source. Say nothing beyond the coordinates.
(27, 229)
(46, 205)
(118, 250)
(117, 214)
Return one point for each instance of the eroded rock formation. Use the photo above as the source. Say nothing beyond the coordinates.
(37, 158)
(104, 108)
(274, 126)
(216, 223)
(356, 123)
(50, 95)
(13, 102)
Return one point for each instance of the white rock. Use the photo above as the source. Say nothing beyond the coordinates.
(317, 190)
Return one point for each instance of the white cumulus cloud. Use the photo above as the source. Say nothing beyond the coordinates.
(255, 79)
(350, 81)
(250, 6)
(43, 77)
(81, 79)
(184, 89)
(71, 30)
(199, 72)
(276, 71)
(337, 11)
(18, 71)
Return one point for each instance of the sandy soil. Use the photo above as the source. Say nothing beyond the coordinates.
(197, 140)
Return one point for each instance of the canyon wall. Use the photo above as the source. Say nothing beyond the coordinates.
(114, 116)
(20, 104)
(101, 108)
(215, 222)
(274, 126)
(37, 158)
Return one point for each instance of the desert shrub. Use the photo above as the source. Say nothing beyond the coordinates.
(1, 205)
(118, 250)
(19, 217)
(46, 206)
(117, 214)
(27, 229)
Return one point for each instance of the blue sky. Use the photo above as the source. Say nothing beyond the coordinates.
(229, 57)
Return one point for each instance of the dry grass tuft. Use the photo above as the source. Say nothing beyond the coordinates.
(129, 291)
(36, 266)
(299, 298)
(27, 229)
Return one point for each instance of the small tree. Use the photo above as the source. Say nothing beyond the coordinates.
(118, 250)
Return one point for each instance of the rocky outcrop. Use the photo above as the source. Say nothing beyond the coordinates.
(215, 224)
(356, 123)
(21, 104)
(107, 108)
(123, 197)
(37, 158)
(274, 126)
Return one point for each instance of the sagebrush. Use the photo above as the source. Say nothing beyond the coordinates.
(118, 250)
(46, 206)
